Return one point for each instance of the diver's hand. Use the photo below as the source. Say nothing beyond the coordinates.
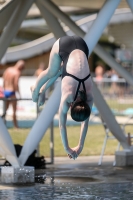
(77, 149)
(71, 153)
(41, 99)
(34, 94)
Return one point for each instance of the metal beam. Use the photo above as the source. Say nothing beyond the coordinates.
(100, 23)
(62, 16)
(130, 3)
(40, 126)
(6, 145)
(51, 20)
(6, 13)
(13, 25)
(109, 118)
(115, 128)
(111, 62)
(78, 31)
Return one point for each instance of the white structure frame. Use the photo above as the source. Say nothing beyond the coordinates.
(52, 13)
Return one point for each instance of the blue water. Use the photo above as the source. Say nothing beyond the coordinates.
(71, 191)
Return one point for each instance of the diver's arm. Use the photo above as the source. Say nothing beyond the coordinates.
(83, 132)
(64, 107)
(84, 127)
(84, 124)
(62, 123)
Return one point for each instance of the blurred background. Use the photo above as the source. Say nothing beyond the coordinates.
(33, 43)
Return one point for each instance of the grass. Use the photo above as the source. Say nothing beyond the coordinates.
(114, 104)
(93, 143)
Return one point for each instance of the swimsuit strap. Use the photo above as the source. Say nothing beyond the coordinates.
(80, 81)
(77, 90)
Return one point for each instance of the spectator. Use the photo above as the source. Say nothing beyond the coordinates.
(10, 84)
(114, 83)
(99, 72)
(40, 69)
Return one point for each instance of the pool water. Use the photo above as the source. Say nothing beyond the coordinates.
(72, 189)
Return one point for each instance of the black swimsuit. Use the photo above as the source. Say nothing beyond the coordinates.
(67, 44)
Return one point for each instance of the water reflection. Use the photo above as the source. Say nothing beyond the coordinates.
(54, 189)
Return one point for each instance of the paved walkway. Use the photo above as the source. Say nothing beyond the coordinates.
(87, 167)
(63, 162)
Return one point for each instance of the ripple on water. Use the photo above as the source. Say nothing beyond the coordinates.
(56, 190)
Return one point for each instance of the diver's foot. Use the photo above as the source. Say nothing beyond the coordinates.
(41, 99)
(34, 94)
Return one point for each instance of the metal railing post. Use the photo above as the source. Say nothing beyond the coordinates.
(4, 111)
(38, 146)
(52, 142)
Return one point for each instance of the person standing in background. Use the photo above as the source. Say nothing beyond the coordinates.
(10, 84)
(99, 75)
(40, 69)
(114, 89)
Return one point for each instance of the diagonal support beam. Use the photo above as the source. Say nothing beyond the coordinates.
(49, 5)
(108, 117)
(111, 62)
(2, 153)
(29, 147)
(51, 20)
(6, 145)
(40, 126)
(100, 23)
(78, 31)
(115, 128)
(130, 3)
(13, 25)
(6, 13)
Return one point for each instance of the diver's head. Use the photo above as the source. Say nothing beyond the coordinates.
(80, 110)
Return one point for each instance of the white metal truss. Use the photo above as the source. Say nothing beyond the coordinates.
(52, 14)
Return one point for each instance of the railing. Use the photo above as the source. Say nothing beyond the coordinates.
(119, 101)
(117, 93)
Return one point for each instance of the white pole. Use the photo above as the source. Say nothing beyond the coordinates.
(102, 20)
(60, 15)
(130, 3)
(2, 153)
(13, 25)
(78, 31)
(109, 118)
(6, 13)
(41, 125)
(51, 20)
(7, 146)
(111, 5)
(111, 62)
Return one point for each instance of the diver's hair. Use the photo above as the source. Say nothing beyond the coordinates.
(80, 110)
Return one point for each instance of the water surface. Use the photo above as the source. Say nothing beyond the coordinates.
(57, 189)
